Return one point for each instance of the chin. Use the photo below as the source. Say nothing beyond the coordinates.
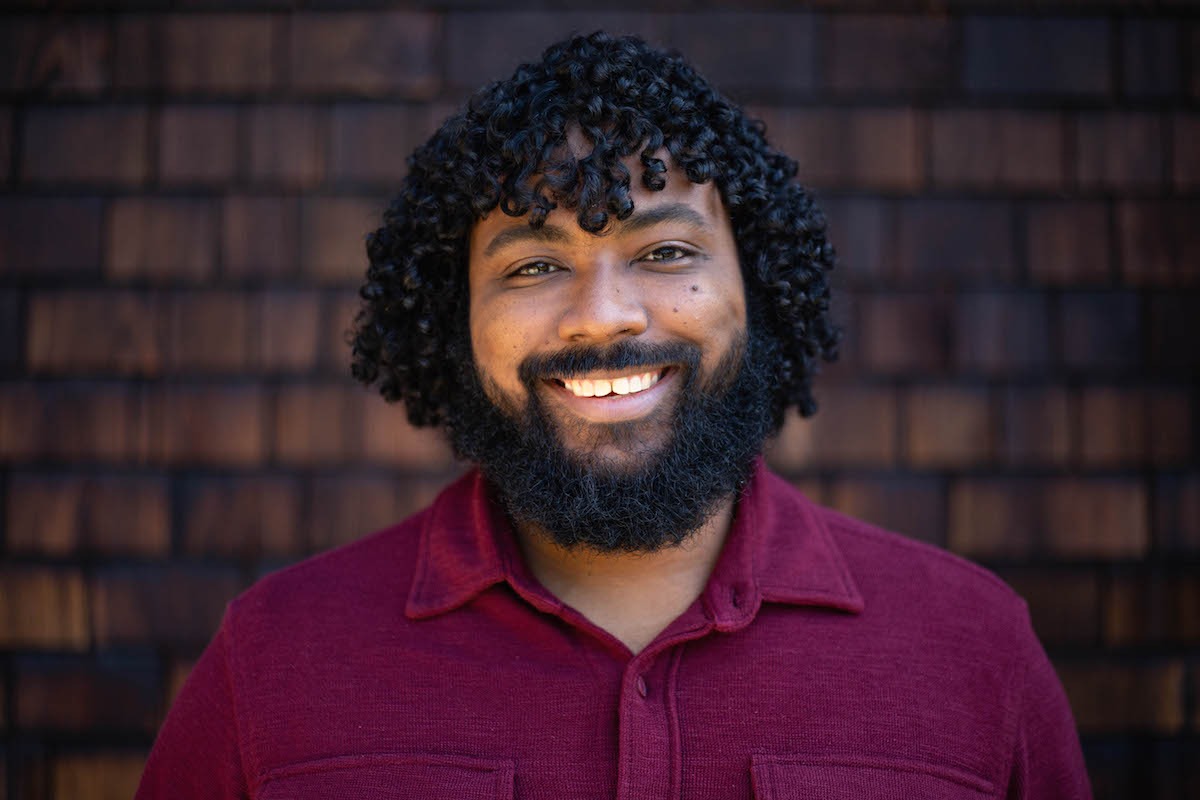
(612, 460)
(617, 448)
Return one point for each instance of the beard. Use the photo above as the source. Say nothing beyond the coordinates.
(663, 491)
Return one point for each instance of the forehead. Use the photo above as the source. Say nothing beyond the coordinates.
(679, 203)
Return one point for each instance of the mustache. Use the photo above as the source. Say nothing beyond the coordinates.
(623, 356)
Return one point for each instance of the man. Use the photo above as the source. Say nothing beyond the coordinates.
(606, 288)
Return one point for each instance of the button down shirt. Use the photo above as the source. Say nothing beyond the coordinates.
(825, 658)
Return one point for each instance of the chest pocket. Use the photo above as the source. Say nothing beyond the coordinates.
(849, 778)
(386, 776)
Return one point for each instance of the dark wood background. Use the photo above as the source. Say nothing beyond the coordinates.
(184, 192)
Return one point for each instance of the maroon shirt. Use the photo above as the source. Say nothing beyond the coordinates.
(825, 658)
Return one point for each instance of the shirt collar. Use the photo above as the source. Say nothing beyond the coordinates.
(459, 554)
(779, 550)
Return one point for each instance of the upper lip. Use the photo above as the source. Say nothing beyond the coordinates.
(611, 373)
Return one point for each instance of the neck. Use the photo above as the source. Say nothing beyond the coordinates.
(633, 596)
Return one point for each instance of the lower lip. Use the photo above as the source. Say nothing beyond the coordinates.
(615, 407)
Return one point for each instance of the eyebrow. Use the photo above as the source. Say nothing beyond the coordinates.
(551, 234)
(640, 221)
(671, 212)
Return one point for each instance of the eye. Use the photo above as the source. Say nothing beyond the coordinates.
(534, 269)
(667, 253)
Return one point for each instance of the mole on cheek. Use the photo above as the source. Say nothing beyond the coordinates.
(695, 288)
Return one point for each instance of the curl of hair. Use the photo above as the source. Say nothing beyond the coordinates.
(510, 149)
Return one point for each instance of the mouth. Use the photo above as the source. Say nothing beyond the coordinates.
(602, 386)
(614, 397)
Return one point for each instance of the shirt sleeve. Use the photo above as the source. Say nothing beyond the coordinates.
(197, 752)
(1048, 762)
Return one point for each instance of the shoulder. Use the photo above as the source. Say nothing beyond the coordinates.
(330, 595)
(906, 584)
(349, 593)
(888, 562)
(964, 613)
(938, 623)
(366, 571)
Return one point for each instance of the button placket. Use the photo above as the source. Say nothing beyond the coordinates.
(646, 755)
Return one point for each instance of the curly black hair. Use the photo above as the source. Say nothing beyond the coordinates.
(509, 149)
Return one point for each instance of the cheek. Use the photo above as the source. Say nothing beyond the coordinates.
(500, 339)
(713, 315)
(715, 312)
(488, 343)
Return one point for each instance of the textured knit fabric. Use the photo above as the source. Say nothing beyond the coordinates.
(825, 659)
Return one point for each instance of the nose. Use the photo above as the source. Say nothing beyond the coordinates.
(605, 304)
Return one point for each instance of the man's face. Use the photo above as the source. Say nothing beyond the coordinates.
(601, 326)
(617, 397)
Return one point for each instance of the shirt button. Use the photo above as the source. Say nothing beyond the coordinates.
(641, 686)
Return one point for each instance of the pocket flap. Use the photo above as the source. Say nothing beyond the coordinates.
(785, 777)
(385, 775)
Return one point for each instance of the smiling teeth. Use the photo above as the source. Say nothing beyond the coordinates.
(600, 387)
